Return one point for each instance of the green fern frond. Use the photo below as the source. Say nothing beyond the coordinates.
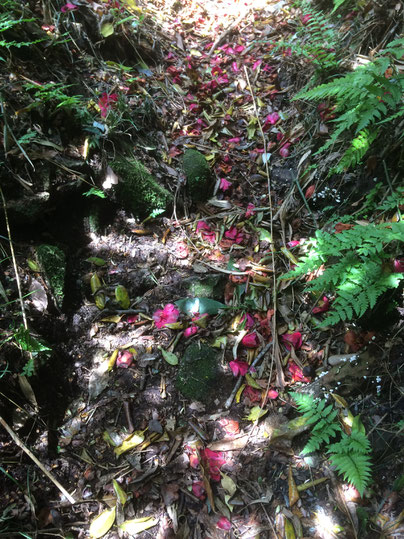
(354, 267)
(351, 457)
(321, 416)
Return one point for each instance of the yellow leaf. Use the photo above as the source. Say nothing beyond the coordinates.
(122, 296)
(138, 525)
(120, 493)
(293, 492)
(175, 325)
(239, 393)
(132, 6)
(289, 530)
(135, 439)
(107, 29)
(33, 265)
(101, 524)
(112, 360)
(228, 484)
(256, 413)
(251, 382)
(260, 103)
(115, 318)
(100, 300)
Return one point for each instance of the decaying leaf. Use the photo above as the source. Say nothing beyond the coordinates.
(256, 413)
(171, 358)
(228, 484)
(120, 493)
(122, 297)
(135, 439)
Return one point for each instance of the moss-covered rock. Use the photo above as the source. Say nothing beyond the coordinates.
(198, 175)
(137, 190)
(53, 263)
(198, 373)
(208, 286)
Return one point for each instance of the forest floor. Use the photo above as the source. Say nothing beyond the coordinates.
(168, 412)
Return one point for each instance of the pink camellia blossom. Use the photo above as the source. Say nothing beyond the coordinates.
(205, 231)
(250, 210)
(202, 225)
(68, 7)
(239, 48)
(272, 394)
(234, 140)
(239, 367)
(250, 340)
(323, 306)
(248, 319)
(224, 523)
(105, 102)
(225, 185)
(252, 394)
(293, 243)
(292, 339)
(234, 234)
(214, 460)
(234, 67)
(284, 151)
(272, 118)
(398, 265)
(188, 332)
(256, 64)
(132, 318)
(124, 359)
(168, 315)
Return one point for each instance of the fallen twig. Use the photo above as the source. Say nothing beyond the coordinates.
(17, 440)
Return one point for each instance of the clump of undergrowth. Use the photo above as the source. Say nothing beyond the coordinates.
(198, 175)
(138, 191)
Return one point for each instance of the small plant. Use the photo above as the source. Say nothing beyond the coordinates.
(352, 265)
(27, 343)
(315, 39)
(367, 97)
(351, 455)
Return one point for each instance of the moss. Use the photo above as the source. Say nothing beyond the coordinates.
(198, 373)
(53, 263)
(209, 286)
(198, 175)
(137, 190)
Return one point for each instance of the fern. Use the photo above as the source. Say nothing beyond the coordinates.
(351, 455)
(354, 267)
(315, 40)
(321, 416)
(351, 458)
(365, 98)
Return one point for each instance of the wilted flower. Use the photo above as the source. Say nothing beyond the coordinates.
(168, 315)
(234, 234)
(292, 339)
(250, 340)
(248, 319)
(198, 490)
(305, 19)
(239, 367)
(68, 7)
(105, 102)
(252, 394)
(124, 359)
(284, 151)
(224, 523)
(250, 210)
(272, 394)
(225, 185)
(271, 118)
(297, 373)
(188, 332)
(323, 306)
(398, 265)
(214, 460)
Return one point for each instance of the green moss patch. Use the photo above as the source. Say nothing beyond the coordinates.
(198, 373)
(198, 175)
(138, 191)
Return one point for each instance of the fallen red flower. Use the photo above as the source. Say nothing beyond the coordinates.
(292, 339)
(168, 315)
(250, 340)
(252, 394)
(124, 359)
(323, 306)
(224, 523)
(214, 461)
(296, 372)
(239, 367)
(234, 234)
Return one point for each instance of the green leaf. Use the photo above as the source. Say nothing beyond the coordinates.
(122, 296)
(171, 358)
(199, 305)
(96, 192)
(97, 261)
(107, 29)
